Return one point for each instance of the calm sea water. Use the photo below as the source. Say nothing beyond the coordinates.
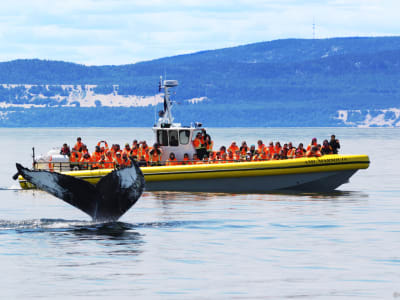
(207, 246)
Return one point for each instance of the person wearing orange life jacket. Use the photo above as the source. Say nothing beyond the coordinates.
(155, 155)
(206, 160)
(284, 152)
(313, 143)
(222, 150)
(300, 151)
(197, 144)
(85, 150)
(118, 162)
(278, 148)
(260, 146)
(143, 150)
(134, 149)
(78, 145)
(74, 159)
(96, 155)
(142, 162)
(233, 147)
(209, 144)
(270, 150)
(196, 160)
(85, 162)
(314, 152)
(171, 161)
(243, 150)
(126, 162)
(103, 149)
(291, 151)
(224, 158)
(186, 159)
(109, 161)
(127, 150)
(231, 157)
(102, 162)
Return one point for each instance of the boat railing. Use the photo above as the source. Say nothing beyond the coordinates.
(75, 166)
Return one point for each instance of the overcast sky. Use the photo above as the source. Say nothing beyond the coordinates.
(98, 32)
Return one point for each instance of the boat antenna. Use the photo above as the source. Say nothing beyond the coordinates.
(166, 114)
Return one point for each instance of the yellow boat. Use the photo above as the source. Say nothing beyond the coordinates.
(314, 174)
(320, 174)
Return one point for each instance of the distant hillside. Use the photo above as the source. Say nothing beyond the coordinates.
(292, 82)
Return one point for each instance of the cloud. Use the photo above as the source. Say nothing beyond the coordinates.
(125, 31)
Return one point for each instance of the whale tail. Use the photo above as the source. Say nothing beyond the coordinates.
(108, 200)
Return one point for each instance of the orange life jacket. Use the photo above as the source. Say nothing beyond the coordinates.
(118, 161)
(75, 156)
(78, 146)
(197, 143)
(209, 146)
(233, 148)
(186, 161)
(171, 162)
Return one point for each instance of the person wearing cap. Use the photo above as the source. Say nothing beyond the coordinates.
(78, 145)
(313, 143)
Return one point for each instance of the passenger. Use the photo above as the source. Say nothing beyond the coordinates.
(186, 159)
(75, 159)
(278, 148)
(126, 162)
(284, 152)
(326, 148)
(237, 155)
(196, 160)
(135, 149)
(224, 158)
(291, 151)
(222, 150)
(205, 159)
(256, 156)
(85, 162)
(155, 155)
(209, 145)
(144, 150)
(231, 157)
(314, 152)
(233, 147)
(84, 149)
(252, 149)
(313, 143)
(197, 144)
(243, 150)
(78, 145)
(203, 148)
(260, 147)
(65, 150)
(249, 156)
(300, 151)
(334, 143)
(102, 162)
(118, 162)
(142, 161)
(103, 149)
(127, 150)
(270, 151)
(109, 162)
(217, 158)
(96, 155)
(171, 161)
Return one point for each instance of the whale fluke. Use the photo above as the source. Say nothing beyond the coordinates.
(108, 200)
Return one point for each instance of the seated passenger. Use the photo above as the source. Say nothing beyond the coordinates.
(109, 162)
(118, 163)
(205, 159)
(196, 160)
(85, 162)
(142, 161)
(65, 150)
(284, 151)
(233, 147)
(313, 143)
(278, 148)
(186, 159)
(300, 151)
(224, 158)
(231, 157)
(326, 148)
(171, 161)
(291, 151)
(314, 152)
(126, 162)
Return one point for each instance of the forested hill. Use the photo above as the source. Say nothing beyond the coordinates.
(291, 82)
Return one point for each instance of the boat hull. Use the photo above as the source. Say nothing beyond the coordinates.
(306, 174)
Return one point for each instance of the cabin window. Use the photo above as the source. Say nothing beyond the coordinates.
(162, 137)
(173, 138)
(184, 136)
